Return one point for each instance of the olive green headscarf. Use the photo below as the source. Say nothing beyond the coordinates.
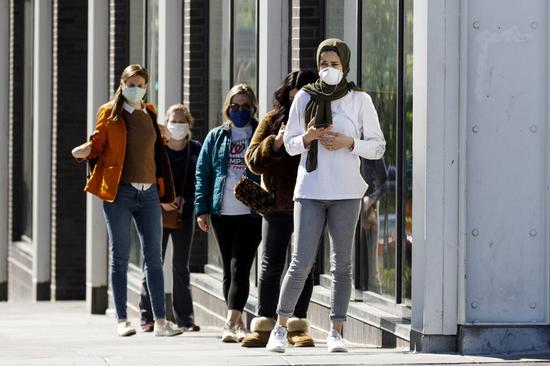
(322, 94)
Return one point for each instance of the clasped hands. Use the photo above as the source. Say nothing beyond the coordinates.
(330, 140)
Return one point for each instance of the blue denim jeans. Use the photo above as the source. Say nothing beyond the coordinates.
(143, 208)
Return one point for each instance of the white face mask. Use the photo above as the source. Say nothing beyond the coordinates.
(178, 131)
(133, 94)
(330, 75)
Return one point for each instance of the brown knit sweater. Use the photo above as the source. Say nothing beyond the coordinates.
(139, 161)
(277, 168)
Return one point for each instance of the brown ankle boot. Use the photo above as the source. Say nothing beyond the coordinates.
(298, 330)
(261, 328)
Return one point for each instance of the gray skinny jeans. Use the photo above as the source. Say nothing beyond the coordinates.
(309, 220)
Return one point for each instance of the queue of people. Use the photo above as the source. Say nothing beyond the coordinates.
(319, 127)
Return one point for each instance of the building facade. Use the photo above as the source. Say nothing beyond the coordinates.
(450, 255)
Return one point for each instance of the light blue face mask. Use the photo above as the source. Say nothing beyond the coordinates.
(133, 94)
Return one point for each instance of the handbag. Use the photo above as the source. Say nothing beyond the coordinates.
(254, 196)
(172, 217)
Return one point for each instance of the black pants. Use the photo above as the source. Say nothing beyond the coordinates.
(277, 229)
(182, 302)
(238, 239)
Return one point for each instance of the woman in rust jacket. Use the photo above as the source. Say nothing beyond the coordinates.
(266, 155)
(131, 174)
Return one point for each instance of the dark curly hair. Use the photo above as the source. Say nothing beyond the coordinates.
(281, 104)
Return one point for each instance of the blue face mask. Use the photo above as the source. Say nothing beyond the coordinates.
(240, 118)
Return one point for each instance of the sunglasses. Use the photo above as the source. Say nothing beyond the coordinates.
(243, 107)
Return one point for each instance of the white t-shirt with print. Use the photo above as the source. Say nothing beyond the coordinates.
(240, 139)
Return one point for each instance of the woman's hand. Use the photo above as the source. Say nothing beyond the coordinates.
(314, 133)
(204, 222)
(82, 151)
(279, 138)
(336, 141)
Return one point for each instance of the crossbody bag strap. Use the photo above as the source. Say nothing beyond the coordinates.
(186, 169)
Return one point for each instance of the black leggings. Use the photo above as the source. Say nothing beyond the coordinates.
(276, 233)
(238, 238)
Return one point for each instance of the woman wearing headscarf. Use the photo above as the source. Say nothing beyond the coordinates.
(331, 125)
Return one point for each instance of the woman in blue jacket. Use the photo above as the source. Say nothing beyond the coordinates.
(220, 166)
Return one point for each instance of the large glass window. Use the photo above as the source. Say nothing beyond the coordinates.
(382, 257)
(407, 257)
(379, 79)
(340, 23)
(244, 43)
(137, 31)
(388, 261)
(26, 161)
(153, 49)
(218, 82)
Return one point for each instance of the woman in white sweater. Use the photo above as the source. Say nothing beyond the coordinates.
(332, 124)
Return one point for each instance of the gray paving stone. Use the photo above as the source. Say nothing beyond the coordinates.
(62, 333)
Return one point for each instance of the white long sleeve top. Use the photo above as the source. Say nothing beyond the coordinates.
(338, 175)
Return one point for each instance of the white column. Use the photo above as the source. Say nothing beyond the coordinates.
(42, 142)
(170, 55)
(273, 50)
(435, 167)
(4, 90)
(98, 93)
(170, 79)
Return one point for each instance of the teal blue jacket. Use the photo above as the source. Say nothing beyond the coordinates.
(212, 169)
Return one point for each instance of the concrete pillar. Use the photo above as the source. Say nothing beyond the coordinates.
(170, 76)
(435, 175)
(98, 93)
(42, 119)
(170, 55)
(4, 145)
(273, 50)
(505, 140)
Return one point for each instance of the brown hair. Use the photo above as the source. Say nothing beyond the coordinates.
(118, 99)
(240, 89)
(183, 109)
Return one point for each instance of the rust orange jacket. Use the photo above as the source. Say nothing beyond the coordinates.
(108, 153)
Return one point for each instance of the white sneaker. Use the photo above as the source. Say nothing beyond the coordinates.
(335, 342)
(229, 335)
(125, 329)
(240, 332)
(277, 339)
(168, 329)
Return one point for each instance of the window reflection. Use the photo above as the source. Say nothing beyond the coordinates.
(218, 82)
(25, 161)
(379, 78)
(153, 49)
(244, 43)
(407, 258)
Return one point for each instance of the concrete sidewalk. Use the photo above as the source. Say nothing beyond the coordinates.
(63, 333)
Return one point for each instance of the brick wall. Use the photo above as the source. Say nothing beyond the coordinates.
(307, 30)
(118, 41)
(69, 48)
(195, 94)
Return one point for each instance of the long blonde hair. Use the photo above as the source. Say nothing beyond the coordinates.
(187, 115)
(118, 99)
(240, 89)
